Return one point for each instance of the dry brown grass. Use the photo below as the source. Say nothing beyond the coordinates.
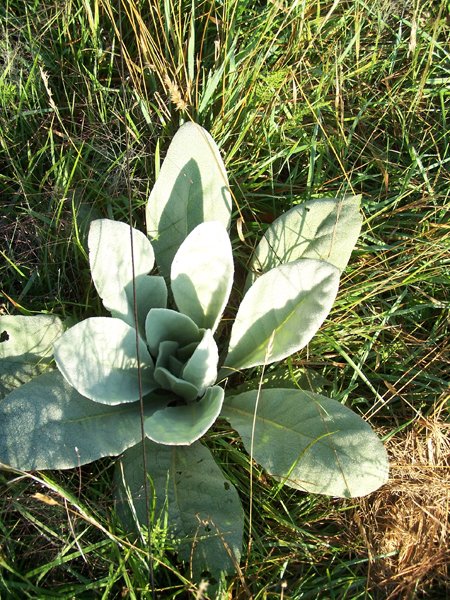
(403, 528)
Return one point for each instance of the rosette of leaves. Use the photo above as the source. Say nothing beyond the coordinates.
(159, 346)
(169, 357)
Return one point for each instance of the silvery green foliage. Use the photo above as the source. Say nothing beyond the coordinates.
(89, 406)
(192, 188)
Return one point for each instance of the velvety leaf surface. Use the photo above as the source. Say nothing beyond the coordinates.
(111, 260)
(281, 312)
(203, 508)
(151, 292)
(168, 381)
(325, 229)
(26, 347)
(98, 358)
(201, 368)
(182, 425)
(47, 424)
(164, 324)
(202, 274)
(192, 188)
(311, 442)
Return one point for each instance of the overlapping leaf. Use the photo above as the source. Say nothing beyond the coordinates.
(47, 424)
(324, 229)
(114, 250)
(99, 358)
(310, 442)
(163, 324)
(201, 368)
(192, 188)
(182, 425)
(202, 274)
(281, 312)
(203, 508)
(26, 347)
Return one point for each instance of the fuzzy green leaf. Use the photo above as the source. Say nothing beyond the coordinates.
(168, 381)
(26, 347)
(151, 292)
(281, 312)
(111, 259)
(202, 274)
(47, 424)
(309, 441)
(182, 425)
(163, 324)
(192, 188)
(203, 508)
(98, 358)
(325, 229)
(201, 368)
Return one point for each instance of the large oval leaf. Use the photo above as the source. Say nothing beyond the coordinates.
(111, 258)
(183, 425)
(26, 347)
(281, 312)
(203, 508)
(47, 424)
(309, 441)
(202, 274)
(192, 187)
(325, 229)
(98, 357)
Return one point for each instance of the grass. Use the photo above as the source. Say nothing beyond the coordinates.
(306, 99)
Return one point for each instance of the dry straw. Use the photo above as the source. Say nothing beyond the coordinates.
(404, 526)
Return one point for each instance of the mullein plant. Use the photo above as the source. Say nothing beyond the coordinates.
(72, 396)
